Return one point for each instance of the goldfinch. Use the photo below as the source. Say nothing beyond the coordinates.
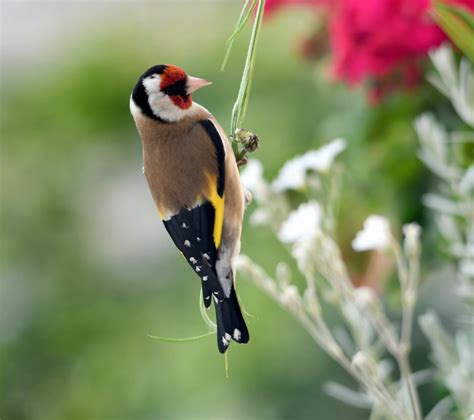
(194, 181)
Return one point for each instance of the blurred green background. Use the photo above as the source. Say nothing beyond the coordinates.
(87, 270)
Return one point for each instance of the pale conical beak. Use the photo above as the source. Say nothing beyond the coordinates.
(194, 83)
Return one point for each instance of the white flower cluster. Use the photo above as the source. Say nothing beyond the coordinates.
(293, 175)
(302, 223)
(369, 335)
(297, 174)
(318, 259)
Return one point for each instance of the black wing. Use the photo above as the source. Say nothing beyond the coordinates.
(192, 232)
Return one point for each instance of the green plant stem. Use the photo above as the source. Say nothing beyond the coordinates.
(407, 375)
(181, 340)
(321, 334)
(408, 275)
(240, 105)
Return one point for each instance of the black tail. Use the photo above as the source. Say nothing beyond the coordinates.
(230, 322)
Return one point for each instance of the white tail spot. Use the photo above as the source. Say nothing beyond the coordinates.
(237, 334)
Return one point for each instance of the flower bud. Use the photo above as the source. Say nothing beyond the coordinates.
(283, 275)
(412, 239)
(312, 303)
(364, 364)
(365, 297)
(290, 297)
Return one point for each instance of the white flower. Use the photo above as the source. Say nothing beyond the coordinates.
(293, 173)
(291, 176)
(252, 178)
(302, 223)
(322, 159)
(375, 234)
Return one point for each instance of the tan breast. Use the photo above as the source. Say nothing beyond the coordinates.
(178, 159)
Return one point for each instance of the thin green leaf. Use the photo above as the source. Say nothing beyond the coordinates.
(226, 364)
(181, 340)
(243, 18)
(238, 111)
(459, 26)
(204, 314)
(458, 11)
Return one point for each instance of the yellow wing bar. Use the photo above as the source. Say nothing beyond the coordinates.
(218, 204)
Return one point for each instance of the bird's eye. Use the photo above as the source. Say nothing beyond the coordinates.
(177, 88)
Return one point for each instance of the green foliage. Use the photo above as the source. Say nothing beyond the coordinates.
(458, 23)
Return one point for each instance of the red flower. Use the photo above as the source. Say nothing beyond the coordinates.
(381, 41)
(372, 38)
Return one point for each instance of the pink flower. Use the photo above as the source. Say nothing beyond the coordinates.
(371, 38)
(380, 41)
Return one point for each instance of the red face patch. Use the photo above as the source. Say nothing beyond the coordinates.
(172, 76)
(183, 102)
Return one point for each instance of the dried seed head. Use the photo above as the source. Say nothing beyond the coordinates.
(248, 139)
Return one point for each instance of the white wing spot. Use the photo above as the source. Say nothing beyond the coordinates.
(198, 268)
(185, 226)
(215, 299)
(198, 239)
(225, 342)
(206, 256)
(227, 336)
(187, 243)
(237, 334)
(204, 278)
(207, 297)
(193, 260)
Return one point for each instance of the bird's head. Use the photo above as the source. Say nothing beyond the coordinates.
(164, 92)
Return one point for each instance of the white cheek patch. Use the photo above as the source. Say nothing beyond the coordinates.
(161, 104)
